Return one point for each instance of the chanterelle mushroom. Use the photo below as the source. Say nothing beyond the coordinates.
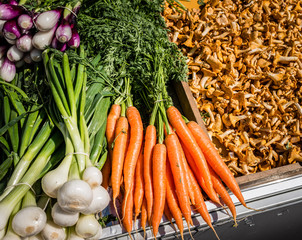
(249, 55)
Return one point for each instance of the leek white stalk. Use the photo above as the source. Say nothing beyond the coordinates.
(47, 20)
(14, 54)
(29, 221)
(8, 203)
(100, 200)
(93, 176)
(53, 231)
(63, 218)
(43, 39)
(87, 226)
(74, 196)
(2, 233)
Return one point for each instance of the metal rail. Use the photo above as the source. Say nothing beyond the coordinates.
(264, 197)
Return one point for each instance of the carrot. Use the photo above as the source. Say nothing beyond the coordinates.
(200, 204)
(168, 213)
(144, 216)
(112, 118)
(127, 210)
(187, 138)
(184, 164)
(172, 200)
(139, 185)
(198, 176)
(106, 173)
(159, 184)
(134, 147)
(223, 193)
(113, 115)
(150, 141)
(175, 158)
(215, 161)
(118, 156)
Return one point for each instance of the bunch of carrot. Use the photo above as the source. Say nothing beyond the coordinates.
(165, 169)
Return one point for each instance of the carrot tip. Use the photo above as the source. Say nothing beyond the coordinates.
(254, 209)
(190, 232)
(215, 232)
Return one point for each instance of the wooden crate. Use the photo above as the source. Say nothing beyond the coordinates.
(190, 110)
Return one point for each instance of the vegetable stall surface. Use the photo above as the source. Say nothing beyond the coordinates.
(244, 61)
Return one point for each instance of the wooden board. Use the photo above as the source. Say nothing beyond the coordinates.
(190, 110)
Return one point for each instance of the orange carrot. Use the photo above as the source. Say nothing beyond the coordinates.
(127, 210)
(159, 184)
(106, 173)
(223, 193)
(215, 160)
(144, 216)
(174, 157)
(198, 176)
(172, 200)
(118, 154)
(113, 115)
(150, 141)
(134, 147)
(168, 213)
(139, 185)
(112, 118)
(187, 138)
(200, 204)
(184, 166)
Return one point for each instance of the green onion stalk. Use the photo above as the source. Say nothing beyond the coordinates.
(24, 130)
(79, 109)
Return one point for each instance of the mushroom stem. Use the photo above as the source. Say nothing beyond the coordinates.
(274, 139)
(299, 108)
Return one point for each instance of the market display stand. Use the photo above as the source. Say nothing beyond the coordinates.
(276, 194)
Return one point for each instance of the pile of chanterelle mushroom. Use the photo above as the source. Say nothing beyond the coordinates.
(245, 64)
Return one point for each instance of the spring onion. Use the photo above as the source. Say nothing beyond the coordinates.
(11, 29)
(87, 226)
(14, 54)
(47, 20)
(74, 42)
(8, 11)
(29, 221)
(63, 32)
(7, 70)
(51, 229)
(25, 21)
(24, 43)
(36, 55)
(63, 218)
